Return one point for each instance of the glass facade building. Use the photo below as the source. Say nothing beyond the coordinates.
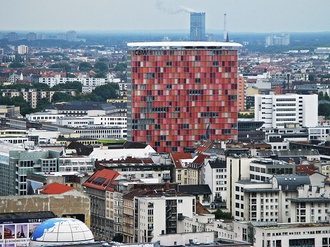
(181, 92)
(197, 26)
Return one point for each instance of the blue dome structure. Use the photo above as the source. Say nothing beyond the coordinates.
(61, 231)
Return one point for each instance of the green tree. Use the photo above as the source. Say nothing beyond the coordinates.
(85, 66)
(42, 104)
(74, 85)
(40, 86)
(107, 91)
(118, 238)
(100, 75)
(61, 97)
(219, 214)
(324, 110)
(321, 95)
(326, 96)
(16, 65)
(64, 66)
(120, 67)
(101, 67)
(24, 106)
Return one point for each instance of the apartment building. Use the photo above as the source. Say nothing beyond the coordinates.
(160, 213)
(105, 201)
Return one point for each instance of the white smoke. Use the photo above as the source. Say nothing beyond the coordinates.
(166, 7)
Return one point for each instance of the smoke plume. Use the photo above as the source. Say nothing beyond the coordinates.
(166, 7)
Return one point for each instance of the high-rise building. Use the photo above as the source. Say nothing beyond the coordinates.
(197, 26)
(22, 49)
(71, 35)
(181, 92)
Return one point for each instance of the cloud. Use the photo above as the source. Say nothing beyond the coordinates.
(166, 7)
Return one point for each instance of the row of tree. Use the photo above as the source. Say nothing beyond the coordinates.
(100, 94)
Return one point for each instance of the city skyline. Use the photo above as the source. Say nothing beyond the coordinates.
(151, 15)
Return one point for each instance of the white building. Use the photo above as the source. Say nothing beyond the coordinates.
(88, 83)
(159, 214)
(272, 234)
(279, 110)
(22, 49)
(214, 174)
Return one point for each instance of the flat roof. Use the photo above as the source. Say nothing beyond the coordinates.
(168, 44)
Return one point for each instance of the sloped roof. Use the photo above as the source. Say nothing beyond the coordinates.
(102, 180)
(176, 157)
(291, 182)
(200, 209)
(54, 189)
(199, 159)
(195, 189)
(203, 147)
(217, 163)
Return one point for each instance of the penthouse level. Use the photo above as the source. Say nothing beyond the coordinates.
(184, 44)
(138, 168)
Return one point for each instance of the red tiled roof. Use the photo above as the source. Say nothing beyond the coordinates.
(102, 180)
(203, 147)
(199, 159)
(54, 188)
(176, 157)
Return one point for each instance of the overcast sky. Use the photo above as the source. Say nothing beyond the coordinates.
(123, 15)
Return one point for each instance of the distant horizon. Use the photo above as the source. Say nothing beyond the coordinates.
(234, 16)
(158, 31)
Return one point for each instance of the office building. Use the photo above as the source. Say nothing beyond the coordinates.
(280, 111)
(181, 92)
(197, 26)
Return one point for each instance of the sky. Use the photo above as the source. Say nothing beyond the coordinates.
(157, 15)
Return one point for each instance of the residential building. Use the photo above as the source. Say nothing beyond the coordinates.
(160, 213)
(277, 111)
(197, 26)
(32, 95)
(214, 174)
(88, 83)
(135, 168)
(181, 92)
(106, 218)
(181, 162)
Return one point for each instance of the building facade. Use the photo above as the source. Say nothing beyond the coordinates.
(277, 111)
(181, 92)
(197, 26)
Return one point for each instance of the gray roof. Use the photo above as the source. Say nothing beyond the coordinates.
(291, 182)
(196, 189)
(314, 199)
(217, 163)
(79, 105)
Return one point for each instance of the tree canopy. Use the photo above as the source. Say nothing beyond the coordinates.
(219, 214)
(85, 66)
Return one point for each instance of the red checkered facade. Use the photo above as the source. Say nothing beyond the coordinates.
(179, 96)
